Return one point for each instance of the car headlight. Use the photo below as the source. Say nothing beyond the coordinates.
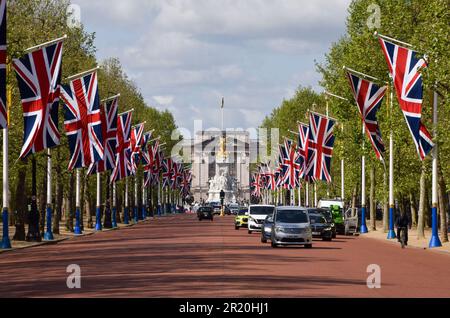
(328, 229)
(279, 229)
(333, 225)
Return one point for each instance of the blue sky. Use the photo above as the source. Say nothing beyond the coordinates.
(185, 55)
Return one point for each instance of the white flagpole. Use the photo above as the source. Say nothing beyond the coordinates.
(136, 200)
(391, 233)
(435, 241)
(114, 207)
(48, 235)
(315, 195)
(144, 199)
(299, 192)
(6, 243)
(363, 229)
(307, 195)
(342, 175)
(77, 229)
(98, 211)
(126, 215)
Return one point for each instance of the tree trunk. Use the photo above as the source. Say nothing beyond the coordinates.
(21, 205)
(354, 198)
(71, 202)
(412, 202)
(443, 205)
(422, 205)
(372, 203)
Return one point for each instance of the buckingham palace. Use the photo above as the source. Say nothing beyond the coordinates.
(215, 155)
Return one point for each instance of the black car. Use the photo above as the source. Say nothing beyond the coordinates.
(320, 227)
(205, 213)
(326, 213)
(266, 229)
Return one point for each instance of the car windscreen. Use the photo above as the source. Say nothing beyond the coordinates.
(205, 209)
(242, 212)
(317, 219)
(291, 216)
(261, 210)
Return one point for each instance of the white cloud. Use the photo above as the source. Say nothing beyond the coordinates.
(253, 52)
(164, 100)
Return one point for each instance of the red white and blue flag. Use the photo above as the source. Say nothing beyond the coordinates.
(168, 172)
(292, 163)
(108, 113)
(123, 168)
(39, 77)
(3, 46)
(320, 147)
(83, 123)
(186, 182)
(405, 67)
(302, 148)
(256, 186)
(369, 97)
(177, 175)
(137, 138)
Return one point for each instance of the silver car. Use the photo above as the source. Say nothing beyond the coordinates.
(291, 226)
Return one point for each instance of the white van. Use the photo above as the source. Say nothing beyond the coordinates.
(326, 204)
(257, 215)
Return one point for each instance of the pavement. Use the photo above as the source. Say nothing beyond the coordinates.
(178, 256)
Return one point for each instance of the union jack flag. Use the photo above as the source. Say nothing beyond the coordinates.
(186, 182)
(292, 162)
(369, 97)
(123, 166)
(3, 46)
(405, 67)
(281, 169)
(168, 172)
(137, 138)
(320, 147)
(303, 141)
(177, 174)
(83, 121)
(39, 77)
(256, 185)
(157, 156)
(108, 113)
(269, 176)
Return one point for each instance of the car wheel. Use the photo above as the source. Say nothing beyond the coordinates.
(199, 219)
(263, 240)
(250, 232)
(273, 245)
(334, 235)
(327, 239)
(236, 228)
(308, 245)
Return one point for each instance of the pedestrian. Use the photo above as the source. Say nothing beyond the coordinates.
(403, 224)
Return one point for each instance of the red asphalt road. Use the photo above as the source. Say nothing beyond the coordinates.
(178, 256)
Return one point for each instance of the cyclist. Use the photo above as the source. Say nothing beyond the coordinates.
(402, 224)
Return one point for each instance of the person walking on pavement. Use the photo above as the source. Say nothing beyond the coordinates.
(403, 224)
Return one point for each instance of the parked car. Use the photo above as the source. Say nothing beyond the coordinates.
(291, 226)
(205, 213)
(234, 208)
(241, 219)
(266, 230)
(256, 216)
(320, 227)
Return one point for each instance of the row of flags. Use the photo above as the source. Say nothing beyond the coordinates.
(99, 138)
(310, 158)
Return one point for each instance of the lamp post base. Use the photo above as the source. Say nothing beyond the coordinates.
(77, 229)
(114, 218)
(6, 243)
(98, 219)
(363, 229)
(391, 235)
(126, 219)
